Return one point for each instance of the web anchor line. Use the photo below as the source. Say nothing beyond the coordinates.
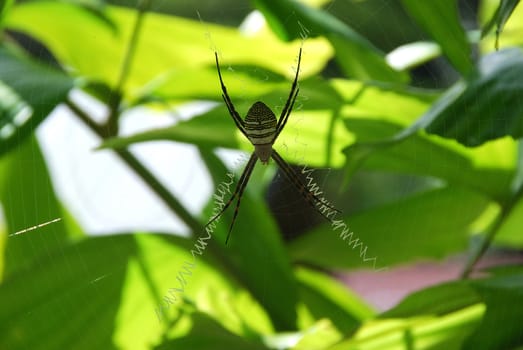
(34, 227)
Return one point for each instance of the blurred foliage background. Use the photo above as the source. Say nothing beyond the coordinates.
(409, 119)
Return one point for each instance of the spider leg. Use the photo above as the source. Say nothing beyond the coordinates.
(282, 124)
(292, 96)
(232, 111)
(248, 172)
(310, 197)
(238, 191)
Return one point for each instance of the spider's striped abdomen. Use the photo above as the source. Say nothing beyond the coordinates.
(260, 127)
(260, 124)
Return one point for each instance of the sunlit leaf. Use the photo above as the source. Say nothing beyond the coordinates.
(121, 281)
(69, 32)
(326, 298)
(509, 234)
(256, 256)
(426, 332)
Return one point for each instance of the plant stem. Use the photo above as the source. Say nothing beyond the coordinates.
(143, 6)
(150, 180)
(487, 240)
(117, 93)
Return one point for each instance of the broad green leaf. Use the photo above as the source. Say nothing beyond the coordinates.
(440, 19)
(424, 333)
(313, 133)
(205, 333)
(502, 324)
(119, 281)
(510, 231)
(69, 32)
(358, 58)
(164, 280)
(389, 139)
(28, 93)
(68, 288)
(28, 200)
(488, 169)
(489, 107)
(499, 18)
(388, 235)
(326, 298)
(255, 254)
(318, 336)
(436, 300)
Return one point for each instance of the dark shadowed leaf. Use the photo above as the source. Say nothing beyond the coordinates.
(358, 58)
(502, 325)
(440, 19)
(206, 334)
(22, 193)
(490, 106)
(436, 300)
(28, 93)
(67, 299)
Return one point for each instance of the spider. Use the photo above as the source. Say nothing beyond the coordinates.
(262, 129)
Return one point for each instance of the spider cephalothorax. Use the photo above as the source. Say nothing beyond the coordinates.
(262, 129)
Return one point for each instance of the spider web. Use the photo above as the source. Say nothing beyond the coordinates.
(102, 195)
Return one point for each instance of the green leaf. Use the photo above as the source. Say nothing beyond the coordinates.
(105, 292)
(500, 17)
(509, 234)
(69, 32)
(489, 107)
(426, 332)
(69, 288)
(488, 169)
(502, 325)
(326, 298)
(5, 6)
(511, 28)
(205, 334)
(388, 235)
(320, 335)
(436, 300)
(440, 19)
(309, 124)
(255, 253)
(358, 58)
(196, 131)
(28, 93)
(22, 194)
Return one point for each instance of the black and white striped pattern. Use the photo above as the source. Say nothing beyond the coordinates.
(260, 124)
